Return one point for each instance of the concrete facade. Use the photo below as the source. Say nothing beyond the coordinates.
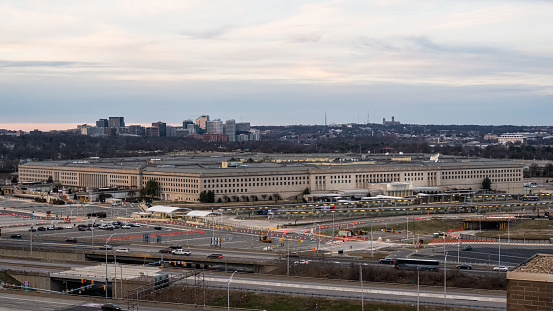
(264, 176)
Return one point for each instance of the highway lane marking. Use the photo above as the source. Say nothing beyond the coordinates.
(35, 300)
(365, 290)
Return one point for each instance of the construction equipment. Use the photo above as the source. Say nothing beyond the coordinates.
(265, 238)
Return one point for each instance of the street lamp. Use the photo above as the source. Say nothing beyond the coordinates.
(445, 279)
(228, 291)
(107, 241)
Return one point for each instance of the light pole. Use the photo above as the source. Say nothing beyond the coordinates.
(105, 247)
(418, 287)
(445, 279)
(361, 280)
(228, 291)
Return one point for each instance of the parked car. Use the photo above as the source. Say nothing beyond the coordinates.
(165, 250)
(15, 236)
(71, 240)
(158, 228)
(215, 256)
(41, 229)
(500, 269)
(466, 248)
(464, 266)
(122, 250)
(182, 252)
(388, 261)
(106, 247)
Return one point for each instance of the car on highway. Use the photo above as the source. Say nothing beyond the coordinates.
(500, 268)
(177, 246)
(41, 229)
(125, 227)
(111, 307)
(165, 250)
(158, 228)
(71, 240)
(135, 225)
(15, 236)
(68, 227)
(294, 255)
(301, 262)
(466, 248)
(215, 256)
(51, 228)
(387, 261)
(123, 250)
(82, 228)
(182, 252)
(464, 266)
(32, 230)
(106, 247)
(59, 228)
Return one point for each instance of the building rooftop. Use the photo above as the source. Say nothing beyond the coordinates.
(540, 263)
(211, 163)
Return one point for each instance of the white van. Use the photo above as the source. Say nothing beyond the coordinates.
(181, 252)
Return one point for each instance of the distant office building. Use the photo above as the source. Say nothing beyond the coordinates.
(108, 131)
(242, 127)
(230, 130)
(162, 128)
(201, 122)
(116, 122)
(152, 131)
(180, 131)
(93, 131)
(102, 123)
(137, 130)
(171, 131)
(513, 138)
(192, 128)
(186, 122)
(255, 135)
(214, 127)
(240, 138)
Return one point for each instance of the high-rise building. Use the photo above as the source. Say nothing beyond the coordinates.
(162, 128)
(243, 127)
(102, 123)
(116, 122)
(214, 127)
(230, 130)
(201, 122)
(152, 131)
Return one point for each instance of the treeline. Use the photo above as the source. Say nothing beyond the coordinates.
(14, 150)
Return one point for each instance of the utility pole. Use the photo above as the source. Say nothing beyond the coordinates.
(361, 280)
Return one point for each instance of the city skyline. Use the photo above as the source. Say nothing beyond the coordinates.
(424, 62)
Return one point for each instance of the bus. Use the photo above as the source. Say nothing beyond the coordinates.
(414, 264)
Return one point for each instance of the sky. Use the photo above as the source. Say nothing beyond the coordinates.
(68, 62)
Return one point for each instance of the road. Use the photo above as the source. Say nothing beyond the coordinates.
(17, 301)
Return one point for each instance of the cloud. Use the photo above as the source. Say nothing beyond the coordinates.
(5, 63)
